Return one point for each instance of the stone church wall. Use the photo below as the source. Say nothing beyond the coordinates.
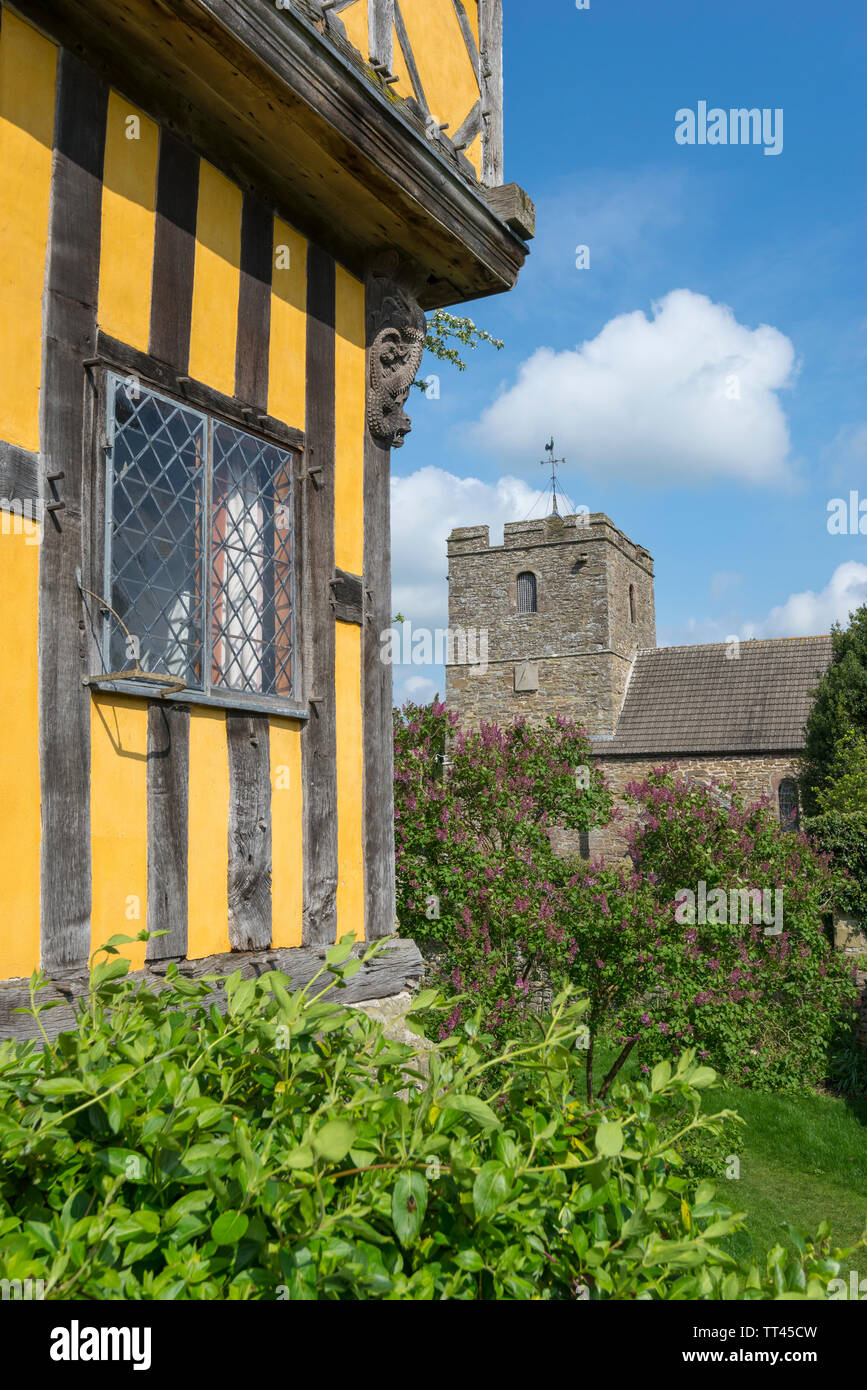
(754, 776)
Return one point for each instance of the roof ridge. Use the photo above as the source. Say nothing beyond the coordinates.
(744, 642)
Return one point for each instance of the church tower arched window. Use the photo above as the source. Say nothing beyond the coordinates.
(527, 592)
(632, 603)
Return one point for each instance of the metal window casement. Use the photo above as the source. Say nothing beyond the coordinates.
(198, 577)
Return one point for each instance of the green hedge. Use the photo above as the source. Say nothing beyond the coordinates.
(844, 837)
(287, 1150)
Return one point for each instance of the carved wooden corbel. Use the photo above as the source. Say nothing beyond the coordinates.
(396, 329)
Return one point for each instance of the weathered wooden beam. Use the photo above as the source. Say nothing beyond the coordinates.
(409, 59)
(248, 739)
(514, 207)
(318, 644)
(168, 776)
(71, 282)
(254, 304)
(379, 882)
(347, 597)
(380, 31)
(469, 129)
(174, 252)
(491, 84)
(469, 36)
(19, 474)
(399, 964)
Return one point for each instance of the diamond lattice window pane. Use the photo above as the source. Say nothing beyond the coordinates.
(251, 589)
(156, 533)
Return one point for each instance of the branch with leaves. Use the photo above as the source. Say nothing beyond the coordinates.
(445, 331)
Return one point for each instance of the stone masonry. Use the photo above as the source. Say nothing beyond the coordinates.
(754, 776)
(733, 711)
(573, 655)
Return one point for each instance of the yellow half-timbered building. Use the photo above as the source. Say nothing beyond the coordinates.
(222, 222)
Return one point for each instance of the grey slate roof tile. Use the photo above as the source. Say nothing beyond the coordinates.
(698, 700)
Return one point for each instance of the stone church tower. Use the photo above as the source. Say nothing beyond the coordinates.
(566, 602)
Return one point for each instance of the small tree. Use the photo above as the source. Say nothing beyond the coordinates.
(839, 706)
(846, 788)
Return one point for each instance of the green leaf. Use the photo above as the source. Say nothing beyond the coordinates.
(469, 1260)
(478, 1109)
(424, 1000)
(341, 952)
(110, 970)
(490, 1189)
(229, 1227)
(302, 1157)
(660, 1076)
(702, 1077)
(408, 1206)
(334, 1140)
(609, 1139)
(60, 1086)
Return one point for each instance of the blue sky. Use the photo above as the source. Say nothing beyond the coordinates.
(726, 484)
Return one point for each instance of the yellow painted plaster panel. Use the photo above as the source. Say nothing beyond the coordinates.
(208, 885)
(19, 748)
(216, 281)
(350, 781)
(28, 65)
(446, 70)
(128, 218)
(349, 424)
(355, 19)
(287, 374)
(118, 821)
(287, 863)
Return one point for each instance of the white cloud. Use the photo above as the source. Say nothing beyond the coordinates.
(419, 689)
(809, 614)
(425, 508)
(686, 394)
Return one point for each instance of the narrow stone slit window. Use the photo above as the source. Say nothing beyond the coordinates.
(198, 547)
(787, 796)
(632, 603)
(527, 592)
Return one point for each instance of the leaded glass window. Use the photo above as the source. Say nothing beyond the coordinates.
(198, 543)
(788, 801)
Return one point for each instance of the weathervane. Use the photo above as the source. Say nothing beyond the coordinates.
(551, 463)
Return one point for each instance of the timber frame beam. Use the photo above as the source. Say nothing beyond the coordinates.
(394, 969)
(285, 105)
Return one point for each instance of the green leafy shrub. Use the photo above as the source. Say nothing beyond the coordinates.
(162, 1150)
(763, 1008)
(843, 837)
(476, 871)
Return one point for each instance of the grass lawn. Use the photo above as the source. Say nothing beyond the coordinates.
(803, 1159)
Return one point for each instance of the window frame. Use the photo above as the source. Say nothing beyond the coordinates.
(526, 612)
(795, 824)
(96, 547)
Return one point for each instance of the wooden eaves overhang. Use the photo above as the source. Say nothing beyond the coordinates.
(290, 110)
